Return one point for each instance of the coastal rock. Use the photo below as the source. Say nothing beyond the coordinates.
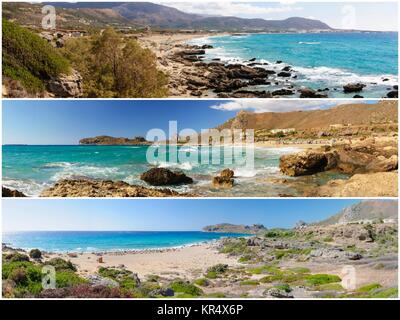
(284, 74)
(224, 180)
(306, 163)
(66, 86)
(282, 92)
(277, 293)
(381, 184)
(97, 280)
(163, 176)
(310, 93)
(104, 188)
(393, 94)
(6, 192)
(168, 292)
(353, 87)
(250, 94)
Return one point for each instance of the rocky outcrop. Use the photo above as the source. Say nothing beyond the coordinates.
(232, 228)
(163, 176)
(353, 87)
(363, 157)
(107, 140)
(6, 192)
(224, 180)
(306, 163)
(104, 188)
(66, 86)
(380, 184)
(310, 93)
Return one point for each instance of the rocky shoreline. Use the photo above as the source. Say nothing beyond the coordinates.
(191, 76)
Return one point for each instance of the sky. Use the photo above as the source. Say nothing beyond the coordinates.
(68, 121)
(379, 16)
(161, 214)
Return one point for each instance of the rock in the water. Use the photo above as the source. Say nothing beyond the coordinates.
(353, 87)
(310, 93)
(282, 92)
(393, 94)
(66, 86)
(224, 180)
(11, 193)
(163, 176)
(284, 74)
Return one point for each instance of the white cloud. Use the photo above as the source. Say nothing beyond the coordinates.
(229, 8)
(259, 106)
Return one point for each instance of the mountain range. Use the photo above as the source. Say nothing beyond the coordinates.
(352, 113)
(161, 16)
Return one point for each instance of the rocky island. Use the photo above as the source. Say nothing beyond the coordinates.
(107, 140)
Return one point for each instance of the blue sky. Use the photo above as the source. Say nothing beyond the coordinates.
(379, 16)
(68, 121)
(162, 215)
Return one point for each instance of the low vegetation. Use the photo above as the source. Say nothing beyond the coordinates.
(29, 59)
(112, 66)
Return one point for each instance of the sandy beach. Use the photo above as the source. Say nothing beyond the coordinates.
(186, 262)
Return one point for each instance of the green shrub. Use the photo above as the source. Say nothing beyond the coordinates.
(19, 276)
(369, 287)
(279, 233)
(60, 264)
(35, 254)
(300, 270)
(67, 279)
(318, 279)
(28, 58)
(16, 257)
(185, 287)
(26, 275)
(211, 275)
(218, 268)
(285, 287)
(216, 295)
(249, 282)
(203, 282)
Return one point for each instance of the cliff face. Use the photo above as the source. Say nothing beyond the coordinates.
(354, 114)
(107, 140)
(232, 228)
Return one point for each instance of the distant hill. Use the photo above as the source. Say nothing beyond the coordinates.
(354, 113)
(107, 140)
(364, 210)
(232, 228)
(161, 16)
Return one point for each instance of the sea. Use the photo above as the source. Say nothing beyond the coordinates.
(32, 168)
(103, 241)
(321, 60)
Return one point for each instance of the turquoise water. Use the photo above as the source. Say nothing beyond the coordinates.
(30, 169)
(321, 59)
(92, 241)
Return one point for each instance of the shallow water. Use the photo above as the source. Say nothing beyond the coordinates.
(92, 241)
(322, 60)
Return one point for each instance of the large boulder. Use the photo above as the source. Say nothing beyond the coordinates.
(310, 93)
(224, 180)
(66, 85)
(353, 87)
(306, 163)
(6, 192)
(163, 176)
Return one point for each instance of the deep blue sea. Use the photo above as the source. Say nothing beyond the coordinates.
(319, 59)
(92, 241)
(30, 169)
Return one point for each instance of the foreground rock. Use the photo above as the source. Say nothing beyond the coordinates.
(11, 193)
(365, 157)
(104, 188)
(163, 176)
(66, 86)
(224, 180)
(380, 184)
(306, 163)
